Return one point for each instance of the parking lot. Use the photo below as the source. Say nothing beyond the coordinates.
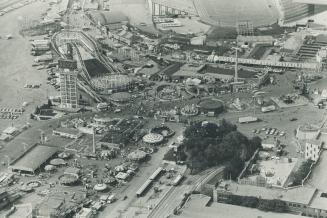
(14, 76)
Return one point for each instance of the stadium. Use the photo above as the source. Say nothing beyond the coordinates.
(230, 12)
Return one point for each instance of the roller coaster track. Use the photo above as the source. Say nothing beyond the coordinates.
(86, 73)
(84, 77)
(82, 38)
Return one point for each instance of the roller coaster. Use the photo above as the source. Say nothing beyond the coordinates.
(76, 39)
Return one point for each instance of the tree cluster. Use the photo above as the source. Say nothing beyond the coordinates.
(301, 173)
(209, 144)
(274, 205)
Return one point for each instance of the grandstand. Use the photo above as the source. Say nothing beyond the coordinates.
(310, 47)
(229, 12)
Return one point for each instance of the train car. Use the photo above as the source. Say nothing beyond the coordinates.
(145, 187)
(156, 173)
(177, 180)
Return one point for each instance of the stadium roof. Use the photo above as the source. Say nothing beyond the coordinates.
(33, 158)
(314, 2)
(183, 5)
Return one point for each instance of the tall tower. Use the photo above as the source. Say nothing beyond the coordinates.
(236, 66)
(68, 83)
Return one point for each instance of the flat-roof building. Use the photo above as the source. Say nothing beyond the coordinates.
(302, 200)
(67, 133)
(313, 149)
(196, 207)
(33, 159)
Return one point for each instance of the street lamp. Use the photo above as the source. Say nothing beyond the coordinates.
(8, 160)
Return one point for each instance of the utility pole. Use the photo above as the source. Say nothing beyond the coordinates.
(93, 139)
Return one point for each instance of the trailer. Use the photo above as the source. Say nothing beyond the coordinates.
(248, 119)
(40, 42)
(268, 108)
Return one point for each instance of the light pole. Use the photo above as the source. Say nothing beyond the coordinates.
(8, 160)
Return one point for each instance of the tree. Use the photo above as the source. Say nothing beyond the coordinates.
(209, 144)
(49, 103)
(37, 110)
(280, 206)
(301, 173)
(233, 168)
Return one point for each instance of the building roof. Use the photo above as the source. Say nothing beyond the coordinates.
(321, 38)
(22, 210)
(108, 17)
(195, 207)
(186, 5)
(319, 202)
(255, 38)
(124, 33)
(4, 137)
(10, 130)
(34, 158)
(247, 119)
(314, 141)
(72, 170)
(301, 195)
(67, 130)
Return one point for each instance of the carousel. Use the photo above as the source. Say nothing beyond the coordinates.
(190, 110)
(137, 155)
(100, 187)
(153, 138)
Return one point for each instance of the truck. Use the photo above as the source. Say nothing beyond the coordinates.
(102, 106)
(43, 58)
(111, 199)
(268, 108)
(248, 119)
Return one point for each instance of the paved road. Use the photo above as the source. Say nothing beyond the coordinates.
(176, 194)
(318, 177)
(7, 3)
(170, 201)
(119, 207)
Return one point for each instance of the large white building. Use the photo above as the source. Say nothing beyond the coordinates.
(312, 149)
